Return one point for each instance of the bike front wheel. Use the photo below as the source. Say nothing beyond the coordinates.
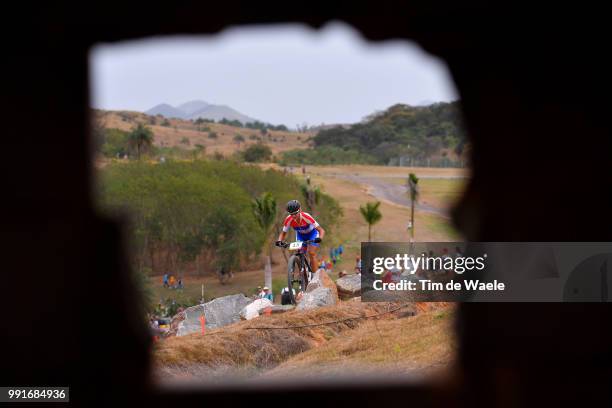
(296, 280)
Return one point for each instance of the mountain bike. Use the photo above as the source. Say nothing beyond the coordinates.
(298, 267)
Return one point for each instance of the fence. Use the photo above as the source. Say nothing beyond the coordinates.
(404, 161)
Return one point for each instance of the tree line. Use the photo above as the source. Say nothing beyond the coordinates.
(401, 130)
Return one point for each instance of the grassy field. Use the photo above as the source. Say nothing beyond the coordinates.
(245, 282)
(437, 192)
(351, 231)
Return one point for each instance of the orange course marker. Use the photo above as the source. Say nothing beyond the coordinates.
(203, 323)
(268, 311)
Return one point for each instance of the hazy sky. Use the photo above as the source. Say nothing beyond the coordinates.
(285, 74)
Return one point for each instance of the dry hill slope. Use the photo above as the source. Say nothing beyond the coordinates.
(179, 130)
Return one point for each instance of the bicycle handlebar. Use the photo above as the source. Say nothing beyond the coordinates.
(284, 244)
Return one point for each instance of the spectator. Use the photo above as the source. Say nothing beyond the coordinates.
(337, 254)
(260, 292)
(358, 264)
(267, 294)
(172, 281)
(165, 280)
(340, 249)
(179, 284)
(285, 298)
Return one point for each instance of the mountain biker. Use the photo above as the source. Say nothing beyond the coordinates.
(306, 228)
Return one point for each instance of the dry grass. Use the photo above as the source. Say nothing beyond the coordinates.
(171, 136)
(241, 345)
(387, 171)
(385, 343)
(421, 344)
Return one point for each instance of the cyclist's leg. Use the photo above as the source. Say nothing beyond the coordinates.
(303, 238)
(312, 251)
(312, 257)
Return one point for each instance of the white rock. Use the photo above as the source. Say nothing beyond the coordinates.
(254, 309)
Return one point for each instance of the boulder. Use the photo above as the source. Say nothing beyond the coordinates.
(349, 286)
(218, 312)
(319, 297)
(322, 279)
(254, 309)
(282, 308)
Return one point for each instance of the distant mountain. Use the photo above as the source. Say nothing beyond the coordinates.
(166, 110)
(199, 109)
(218, 112)
(193, 106)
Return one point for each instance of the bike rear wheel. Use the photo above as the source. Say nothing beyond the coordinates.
(296, 279)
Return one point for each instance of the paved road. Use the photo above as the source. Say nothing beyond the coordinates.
(395, 193)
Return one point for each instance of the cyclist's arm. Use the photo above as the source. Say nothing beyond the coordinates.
(321, 231)
(283, 233)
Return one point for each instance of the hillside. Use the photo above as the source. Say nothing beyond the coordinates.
(187, 134)
(401, 133)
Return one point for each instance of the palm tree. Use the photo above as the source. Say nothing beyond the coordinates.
(141, 138)
(371, 214)
(264, 210)
(413, 190)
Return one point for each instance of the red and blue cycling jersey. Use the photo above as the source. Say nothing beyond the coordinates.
(305, 227)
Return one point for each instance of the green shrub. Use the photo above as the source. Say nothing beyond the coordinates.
(198, 208)
(325, 155)
(115, 142)
(258, 152)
